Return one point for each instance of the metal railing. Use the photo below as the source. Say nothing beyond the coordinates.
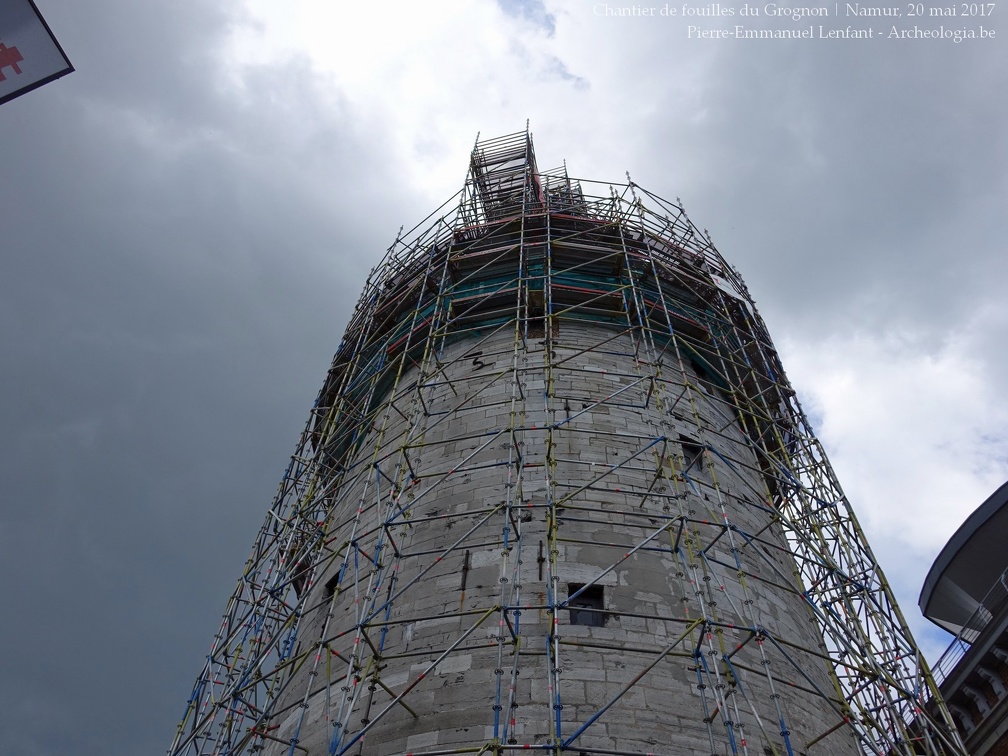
(992, 605)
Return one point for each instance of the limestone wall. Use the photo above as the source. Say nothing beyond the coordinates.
(497, 484)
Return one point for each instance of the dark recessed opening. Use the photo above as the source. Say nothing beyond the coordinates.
(536, 314)
(588, 608)
(330, 586)
(299, 579)
(693, 461)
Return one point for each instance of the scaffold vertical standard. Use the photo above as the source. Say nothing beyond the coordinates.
(556, 493)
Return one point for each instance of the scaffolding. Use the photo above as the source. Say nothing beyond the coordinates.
(556, 493)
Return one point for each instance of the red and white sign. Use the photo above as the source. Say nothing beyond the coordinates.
(30, 56)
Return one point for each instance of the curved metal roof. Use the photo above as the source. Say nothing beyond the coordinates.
(972, 561)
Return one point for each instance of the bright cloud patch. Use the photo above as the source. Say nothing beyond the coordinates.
(916, 435)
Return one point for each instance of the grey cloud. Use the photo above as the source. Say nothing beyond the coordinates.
(533, 11)
(176, 264)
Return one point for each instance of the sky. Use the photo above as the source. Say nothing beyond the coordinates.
(187, 219)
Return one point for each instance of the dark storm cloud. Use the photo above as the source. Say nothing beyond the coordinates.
(171, 294)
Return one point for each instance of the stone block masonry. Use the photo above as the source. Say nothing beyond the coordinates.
(556, 494)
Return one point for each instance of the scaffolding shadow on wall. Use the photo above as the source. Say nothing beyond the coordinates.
(557, 493)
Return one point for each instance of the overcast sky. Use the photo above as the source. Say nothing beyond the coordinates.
(186, 221)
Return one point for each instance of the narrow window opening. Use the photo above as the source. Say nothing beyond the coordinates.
(693, 458)
(299, 579)
(703, 380)
(536, 314)
(330, 586)
(588, 608)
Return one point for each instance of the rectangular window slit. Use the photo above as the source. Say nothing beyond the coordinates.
(693, 458)
(588, 608)
(330, 586)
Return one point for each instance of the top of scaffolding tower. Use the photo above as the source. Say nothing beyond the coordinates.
(505, 182)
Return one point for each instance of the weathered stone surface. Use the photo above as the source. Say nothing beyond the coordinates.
(499, 457)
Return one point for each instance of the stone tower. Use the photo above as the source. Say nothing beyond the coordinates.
(557, 494)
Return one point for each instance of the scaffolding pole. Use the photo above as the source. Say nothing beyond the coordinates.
(556, 493)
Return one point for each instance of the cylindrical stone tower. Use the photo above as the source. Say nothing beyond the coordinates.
(557, 494)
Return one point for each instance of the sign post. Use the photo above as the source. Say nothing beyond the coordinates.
(30, 56)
